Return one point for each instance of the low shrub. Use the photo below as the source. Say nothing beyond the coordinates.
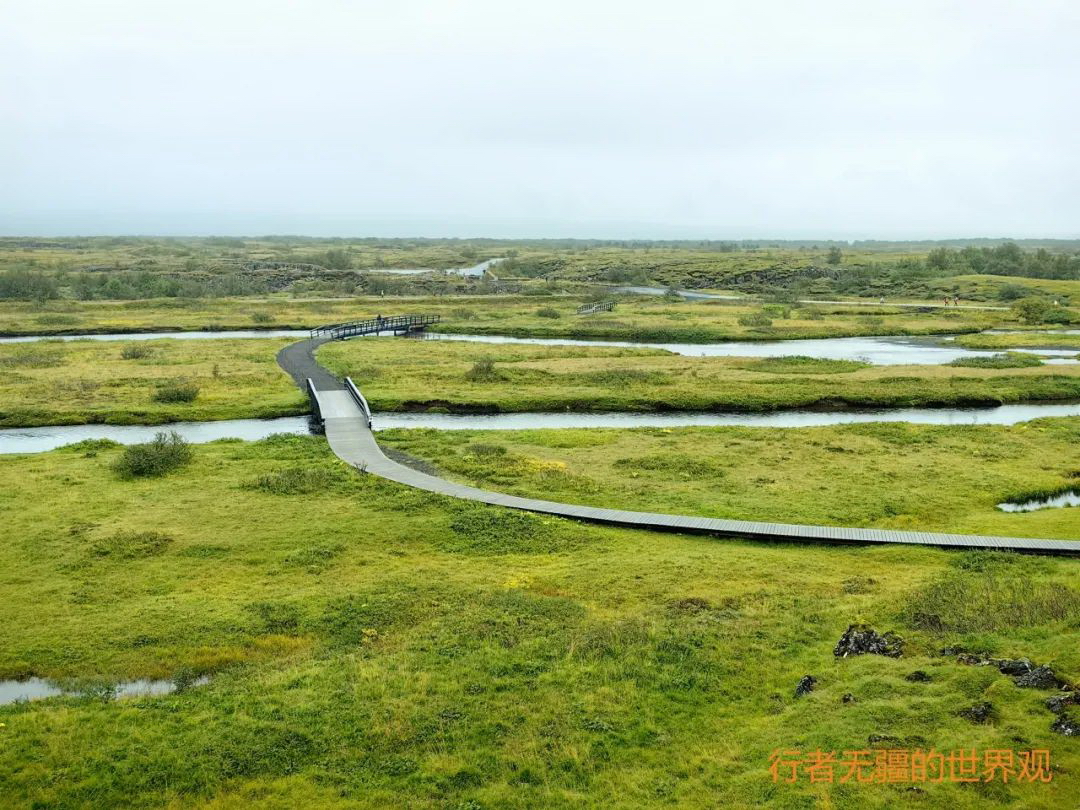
(547, 312)
(172, 394)
(483, 370)
(262, 317)
(135, 351)
(167, 452)
(757, 320)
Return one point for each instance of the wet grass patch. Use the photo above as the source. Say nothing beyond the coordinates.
(131, 545)
(992, 592)
(488, 530)
(671, 464)
(799, 364)
(1005, 360)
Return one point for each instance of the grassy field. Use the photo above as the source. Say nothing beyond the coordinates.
(639, 318)
(77, 382)
(473, 377)
(149, 381)
(1028, 340)
(373, 646)
(894, 476)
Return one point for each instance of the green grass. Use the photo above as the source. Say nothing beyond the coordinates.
(470, 377)
(1029, 340)
(82, 382)
(376, 646)
(1005, 360)
(885, 475)
(800, 364)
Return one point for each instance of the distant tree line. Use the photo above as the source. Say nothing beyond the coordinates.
(131, 285)
(1004, 260)
(28, 285)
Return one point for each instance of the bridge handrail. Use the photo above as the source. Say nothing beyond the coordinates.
(337, 331)
(316, 405)
(359, 399)
(589, 309)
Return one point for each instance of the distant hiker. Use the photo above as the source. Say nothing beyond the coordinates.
(946, 300)
(956, 300)
(882, 301)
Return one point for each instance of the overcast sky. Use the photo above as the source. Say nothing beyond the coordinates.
(667, 119)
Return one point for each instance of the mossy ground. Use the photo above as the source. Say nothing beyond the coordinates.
(887, 475)
(404, 375)
(77, 382)
(376, 646)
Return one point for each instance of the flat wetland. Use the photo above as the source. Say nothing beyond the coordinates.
(319, 637)
(371, 645)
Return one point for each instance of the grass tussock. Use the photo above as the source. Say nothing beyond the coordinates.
(176, 394)
(167, 452)
(488, 530)
(670, 463)
(295, 481)
(483, 370)
(34, 356)
(800, 364)
(130, 545)
(136, 351)
(1004, 360)
(991, 592)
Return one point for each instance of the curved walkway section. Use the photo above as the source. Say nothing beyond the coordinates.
(351, 439)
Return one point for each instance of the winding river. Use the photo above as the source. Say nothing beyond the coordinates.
(876, 350)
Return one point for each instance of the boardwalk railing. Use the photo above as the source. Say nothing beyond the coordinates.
(398, 324)
(316, 406)
(589, 309)
(359, 399)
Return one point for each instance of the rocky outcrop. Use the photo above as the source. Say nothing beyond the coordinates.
(861, 639)
(979, 713)
(805, 686)
(1024, 673)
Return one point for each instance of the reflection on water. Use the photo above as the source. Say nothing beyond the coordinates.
(12, 691)
(1070, 498)
(880, 351)
(40, 439)
(1000, 415)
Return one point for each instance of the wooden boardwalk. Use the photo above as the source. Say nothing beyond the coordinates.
(348, 431)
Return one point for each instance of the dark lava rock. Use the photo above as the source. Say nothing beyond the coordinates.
(1041, 677)
(1067, 725)
(861, 639)
(1057, 703)
(918, 676)
(979, 713)
(1013, 666)
(806, 686)
(847, 698)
